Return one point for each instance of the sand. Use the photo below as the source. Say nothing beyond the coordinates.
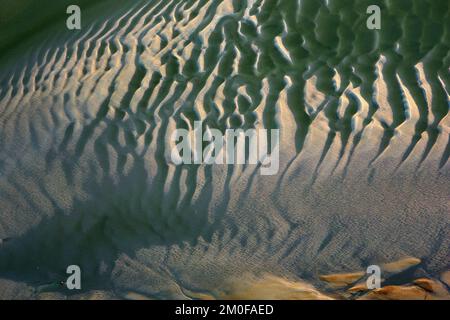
(85, 118)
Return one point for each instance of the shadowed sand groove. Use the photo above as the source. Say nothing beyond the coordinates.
(85, 121)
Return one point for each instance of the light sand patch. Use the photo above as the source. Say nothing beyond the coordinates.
(271, 287)
(400, 265)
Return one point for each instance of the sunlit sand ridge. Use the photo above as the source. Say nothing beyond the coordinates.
(85, 121)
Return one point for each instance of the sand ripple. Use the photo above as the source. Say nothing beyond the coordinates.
(85, 119)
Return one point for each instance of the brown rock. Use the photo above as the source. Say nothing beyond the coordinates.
(445, 277)
(360, 287)
(342, 279)
(397, 293)
(432, 286)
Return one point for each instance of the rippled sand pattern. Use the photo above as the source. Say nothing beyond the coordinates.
(86, 116)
